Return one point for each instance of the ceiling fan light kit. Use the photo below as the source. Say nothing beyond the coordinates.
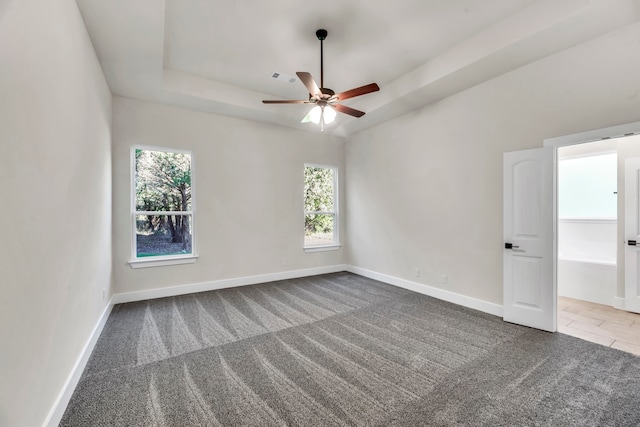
(325, 114)
(325, 99)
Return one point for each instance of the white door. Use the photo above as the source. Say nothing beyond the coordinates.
(632, 234)
(529, 253)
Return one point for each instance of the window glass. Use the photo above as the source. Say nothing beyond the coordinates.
(163, 215)
(587, 187)
(320, 220)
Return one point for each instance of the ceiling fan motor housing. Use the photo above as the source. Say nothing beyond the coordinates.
(326, 92)
(321, 34)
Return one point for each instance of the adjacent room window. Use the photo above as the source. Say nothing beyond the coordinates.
(587, 187)
(320, 206)
(162, 204)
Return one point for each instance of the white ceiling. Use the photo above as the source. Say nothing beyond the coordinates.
(219, 55)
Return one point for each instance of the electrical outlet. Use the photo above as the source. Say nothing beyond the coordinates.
(417, 272)
(444, 279)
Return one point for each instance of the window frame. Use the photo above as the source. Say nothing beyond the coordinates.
(335, 245)
(161, 260)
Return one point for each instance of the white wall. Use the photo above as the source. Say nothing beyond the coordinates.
(55, 170)
(425, 190)
(248, 186)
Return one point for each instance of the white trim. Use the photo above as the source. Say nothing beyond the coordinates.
(563, 157)
(459, 299)
(318, 165)
(620, 131)
(60, 405)
(322, 248)
(432, 291)
(162, 261)
(594, 135)
(223, 283)
(319, 213)
(163, 213)
(589, 220)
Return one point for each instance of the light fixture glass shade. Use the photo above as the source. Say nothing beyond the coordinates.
(329, 115)
(315, 113)
(325, 114)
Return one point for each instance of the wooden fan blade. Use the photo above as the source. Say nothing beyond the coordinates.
(309, 83)
(283, 101)
(362, 90)
(348, 110)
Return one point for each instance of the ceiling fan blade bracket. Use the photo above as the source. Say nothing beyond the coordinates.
(327, 92)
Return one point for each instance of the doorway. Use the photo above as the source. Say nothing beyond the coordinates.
(591, 243)
(587, 216)
(530, 221)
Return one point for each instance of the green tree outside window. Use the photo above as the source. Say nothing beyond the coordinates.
(163, 215)
(320, 205)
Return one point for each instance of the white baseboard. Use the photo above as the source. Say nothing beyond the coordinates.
(618, 302)
(431, 291)
(224, 283)
(60, 405)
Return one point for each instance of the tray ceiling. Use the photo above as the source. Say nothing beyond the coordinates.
(219, 56)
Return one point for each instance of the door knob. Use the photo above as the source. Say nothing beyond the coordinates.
(510, 246)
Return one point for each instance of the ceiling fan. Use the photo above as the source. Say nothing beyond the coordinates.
(326, 100)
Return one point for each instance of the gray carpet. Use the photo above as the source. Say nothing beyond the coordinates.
(342, 350)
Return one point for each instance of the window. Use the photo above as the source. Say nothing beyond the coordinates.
(162, 207)
(320, 206)
(587, 187)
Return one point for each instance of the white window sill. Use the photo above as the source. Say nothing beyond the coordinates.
(162, 261)
(322, 248)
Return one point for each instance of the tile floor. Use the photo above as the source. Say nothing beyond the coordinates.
(600, 324)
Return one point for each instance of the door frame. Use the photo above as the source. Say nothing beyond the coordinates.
(612, 132)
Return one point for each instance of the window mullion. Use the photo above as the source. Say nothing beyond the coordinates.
(163, 212)
(319, 213)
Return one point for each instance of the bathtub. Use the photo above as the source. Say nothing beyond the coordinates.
(587, 259)
(588, 280)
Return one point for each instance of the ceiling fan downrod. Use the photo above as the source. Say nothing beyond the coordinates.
(321, 34)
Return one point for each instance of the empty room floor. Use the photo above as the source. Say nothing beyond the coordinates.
(600, 324)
